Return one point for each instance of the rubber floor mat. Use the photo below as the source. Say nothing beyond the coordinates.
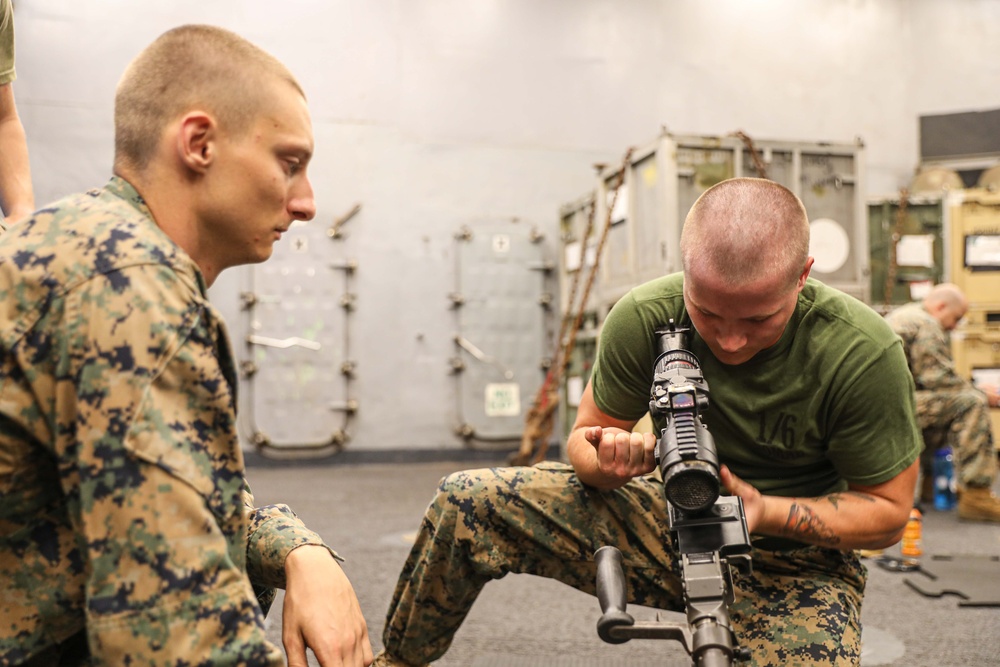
(974, 579)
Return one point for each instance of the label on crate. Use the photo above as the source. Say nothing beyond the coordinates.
(915, 250)
(982, 252)
(919, 289)
(986, 377)
(574, 390)
(619, 213)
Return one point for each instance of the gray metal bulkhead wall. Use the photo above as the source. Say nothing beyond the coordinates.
(295, 339)
(293, 345)
(504, 307)
(436, 115)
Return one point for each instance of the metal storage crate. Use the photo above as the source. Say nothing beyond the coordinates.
(914, 249)
(976, 350)
(665, 177)
(574, 219)
(579, 233)
(576, 377)
(983, 317)
(974, 217)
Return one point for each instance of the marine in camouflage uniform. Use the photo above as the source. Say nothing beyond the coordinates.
(947, 404)
(484, 524)
(825, 393)
(126, 524)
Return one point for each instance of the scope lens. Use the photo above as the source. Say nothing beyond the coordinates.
(692, 489)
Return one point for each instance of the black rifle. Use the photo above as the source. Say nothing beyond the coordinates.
(710, 530)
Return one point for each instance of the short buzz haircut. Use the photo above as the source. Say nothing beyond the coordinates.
(189, 67)
(746, 229)
(950, 295)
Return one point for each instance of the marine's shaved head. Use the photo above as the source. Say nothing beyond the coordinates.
(947, 304)
(746, 229)
(189, 67)
(947, 294)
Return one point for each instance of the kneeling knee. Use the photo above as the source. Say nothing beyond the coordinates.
(463, 484)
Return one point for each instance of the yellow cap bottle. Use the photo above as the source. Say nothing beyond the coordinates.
(912, 543)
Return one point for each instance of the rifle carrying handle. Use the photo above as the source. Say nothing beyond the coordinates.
(611, 594)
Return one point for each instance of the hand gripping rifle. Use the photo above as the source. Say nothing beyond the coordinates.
(710, 530)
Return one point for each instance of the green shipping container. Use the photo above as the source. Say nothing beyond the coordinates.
(917, 241)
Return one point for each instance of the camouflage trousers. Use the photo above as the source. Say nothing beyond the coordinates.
(798, 607)
(962, 418)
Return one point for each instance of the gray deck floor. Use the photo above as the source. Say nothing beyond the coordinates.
(368, 512)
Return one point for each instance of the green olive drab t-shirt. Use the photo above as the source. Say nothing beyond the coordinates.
(830, 403)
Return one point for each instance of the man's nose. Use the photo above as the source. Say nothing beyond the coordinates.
(302, 204)
(732, 340)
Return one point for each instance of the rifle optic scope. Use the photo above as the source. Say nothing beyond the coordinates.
(686, 453)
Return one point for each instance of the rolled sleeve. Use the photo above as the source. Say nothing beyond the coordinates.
(273, 532)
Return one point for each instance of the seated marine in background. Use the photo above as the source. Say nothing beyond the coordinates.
(948, 404)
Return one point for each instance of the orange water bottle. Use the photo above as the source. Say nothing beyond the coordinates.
(912, 545)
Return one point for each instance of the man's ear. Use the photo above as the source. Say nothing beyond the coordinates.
(196, 141)
(805, 273)
(937, 308)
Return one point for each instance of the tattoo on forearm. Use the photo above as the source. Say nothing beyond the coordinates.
(803, 524)
(835, 498)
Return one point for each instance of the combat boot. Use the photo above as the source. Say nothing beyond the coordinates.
(383, 659)
(978, 504)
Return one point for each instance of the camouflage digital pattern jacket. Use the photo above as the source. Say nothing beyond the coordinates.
(928, 348)
(123, 504)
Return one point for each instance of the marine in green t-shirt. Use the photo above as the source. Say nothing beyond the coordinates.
(828, 404)
(811, 409)
(812, 403)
